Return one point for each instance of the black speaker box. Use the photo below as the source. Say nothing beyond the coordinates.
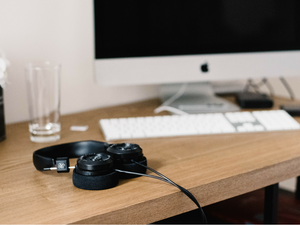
(249, 100)
(2, 121)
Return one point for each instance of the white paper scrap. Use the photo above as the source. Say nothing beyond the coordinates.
(79, 128)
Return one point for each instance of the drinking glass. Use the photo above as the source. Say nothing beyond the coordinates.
(43, 90)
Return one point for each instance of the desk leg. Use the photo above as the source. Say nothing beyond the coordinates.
(271, 204)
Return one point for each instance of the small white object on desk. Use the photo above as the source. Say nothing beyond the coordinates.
(79, 128)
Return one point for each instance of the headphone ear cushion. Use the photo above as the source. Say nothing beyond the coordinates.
(132, 167)
(100, 182)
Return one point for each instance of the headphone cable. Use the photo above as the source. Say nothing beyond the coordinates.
(169, 181)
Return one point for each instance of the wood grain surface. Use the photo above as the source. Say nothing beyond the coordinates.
(211, 167)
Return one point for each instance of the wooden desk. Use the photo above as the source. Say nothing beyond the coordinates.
(213, 168)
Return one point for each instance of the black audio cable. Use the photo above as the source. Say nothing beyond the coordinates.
(169, 181)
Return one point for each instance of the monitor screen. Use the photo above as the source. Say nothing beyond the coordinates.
(135, 28)
(172, 41)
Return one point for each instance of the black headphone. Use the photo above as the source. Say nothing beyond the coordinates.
(100, 165)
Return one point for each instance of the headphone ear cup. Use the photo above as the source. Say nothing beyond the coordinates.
(124, 155)
(95, 171)
(100, 182)
(133, 167)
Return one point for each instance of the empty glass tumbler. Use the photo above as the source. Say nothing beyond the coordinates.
(43, 90)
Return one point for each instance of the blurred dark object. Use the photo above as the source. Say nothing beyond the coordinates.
(2, 121)
(293, 110)
(250, 100)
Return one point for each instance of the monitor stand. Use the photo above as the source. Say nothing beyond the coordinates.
(194, 98)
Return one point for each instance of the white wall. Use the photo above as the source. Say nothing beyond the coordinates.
(60, 30)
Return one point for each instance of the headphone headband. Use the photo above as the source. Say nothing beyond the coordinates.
(46, 157)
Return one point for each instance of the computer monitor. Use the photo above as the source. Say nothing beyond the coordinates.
(191, 43)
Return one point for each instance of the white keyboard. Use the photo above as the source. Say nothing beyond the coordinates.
(197, 124)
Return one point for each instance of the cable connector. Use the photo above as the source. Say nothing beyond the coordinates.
(62, 165)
